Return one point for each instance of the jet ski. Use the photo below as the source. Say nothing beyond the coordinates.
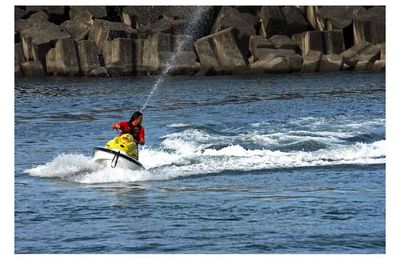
(120, 152)
(115, 158)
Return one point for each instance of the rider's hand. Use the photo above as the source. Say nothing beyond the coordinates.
(115, 126)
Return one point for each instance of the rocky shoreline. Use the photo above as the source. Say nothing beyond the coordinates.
(113, 41)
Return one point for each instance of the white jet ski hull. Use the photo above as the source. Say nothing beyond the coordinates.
(115, 159)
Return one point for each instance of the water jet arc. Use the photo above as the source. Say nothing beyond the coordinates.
(190, 29)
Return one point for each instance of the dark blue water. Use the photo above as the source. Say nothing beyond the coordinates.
(266, 164)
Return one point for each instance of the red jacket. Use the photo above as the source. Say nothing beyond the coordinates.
(137, 132)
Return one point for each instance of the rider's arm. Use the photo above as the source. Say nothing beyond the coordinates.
(120, 125)
(141, 136)
(115, 126)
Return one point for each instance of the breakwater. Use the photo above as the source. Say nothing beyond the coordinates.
(113, 41)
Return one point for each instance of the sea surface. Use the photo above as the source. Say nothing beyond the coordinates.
(234, 164)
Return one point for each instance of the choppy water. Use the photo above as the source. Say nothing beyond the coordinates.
(266, 164)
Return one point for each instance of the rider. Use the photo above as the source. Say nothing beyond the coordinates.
(133, 127)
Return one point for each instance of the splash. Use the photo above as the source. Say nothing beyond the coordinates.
(190, 29)
(193, 152)
(64, 165)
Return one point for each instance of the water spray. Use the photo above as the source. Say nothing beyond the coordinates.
(190, 28)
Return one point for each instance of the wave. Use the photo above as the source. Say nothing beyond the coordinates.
(195, 150)
(308, 146)
(339, 122)
(178, 125)
(187, 160)
(364, 138)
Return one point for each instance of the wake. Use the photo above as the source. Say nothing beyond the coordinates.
(176, 158)
(195, 151)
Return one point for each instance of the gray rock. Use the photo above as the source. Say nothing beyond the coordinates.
(208, 55)
(327, 18)
(95, 11)
(79, 27)
(363, 51)
(103, 31)
(276, 46)
(51, 64)
(181, 43)
(17, 37)
(295, 62)
(162, 42)
(243, 23)
(333, 42)
(382, 47)
(18, 54)
(287, 20)
(378, 66)
(311, 61)
(295, 20)
(282, 46)
(327, 42)
(66, 58)
(17, 70)
(220, 52)
(165, 25)
(54, 9)
(309, 65)
(18, 58)
(62, 60)
(138, 67)
(118, 57)
(309, 41)
(88, 56)
(258, 42)
(173, 53)
(370, 26)
(32, 68)
(152, 47)
(38, 36)
(114, 13)
(56, 13)
(170, 19)
(262, 53)
(184, 63)
(349, 55)
(139, 16)
(271, 64)
(253, 10)
(312, 17)
(284, 42)
(19, 12)
(330, 62)
(99, 72)
(272, 21)
(362, 65)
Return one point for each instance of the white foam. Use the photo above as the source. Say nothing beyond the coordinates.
(194, 152)
(359, 125)
(190, 139)
(191, 135)
(64, 165)
(157, 158)
(234, 150)
(112, 175)
(293, 137)
(167, 164)
(178, 125)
